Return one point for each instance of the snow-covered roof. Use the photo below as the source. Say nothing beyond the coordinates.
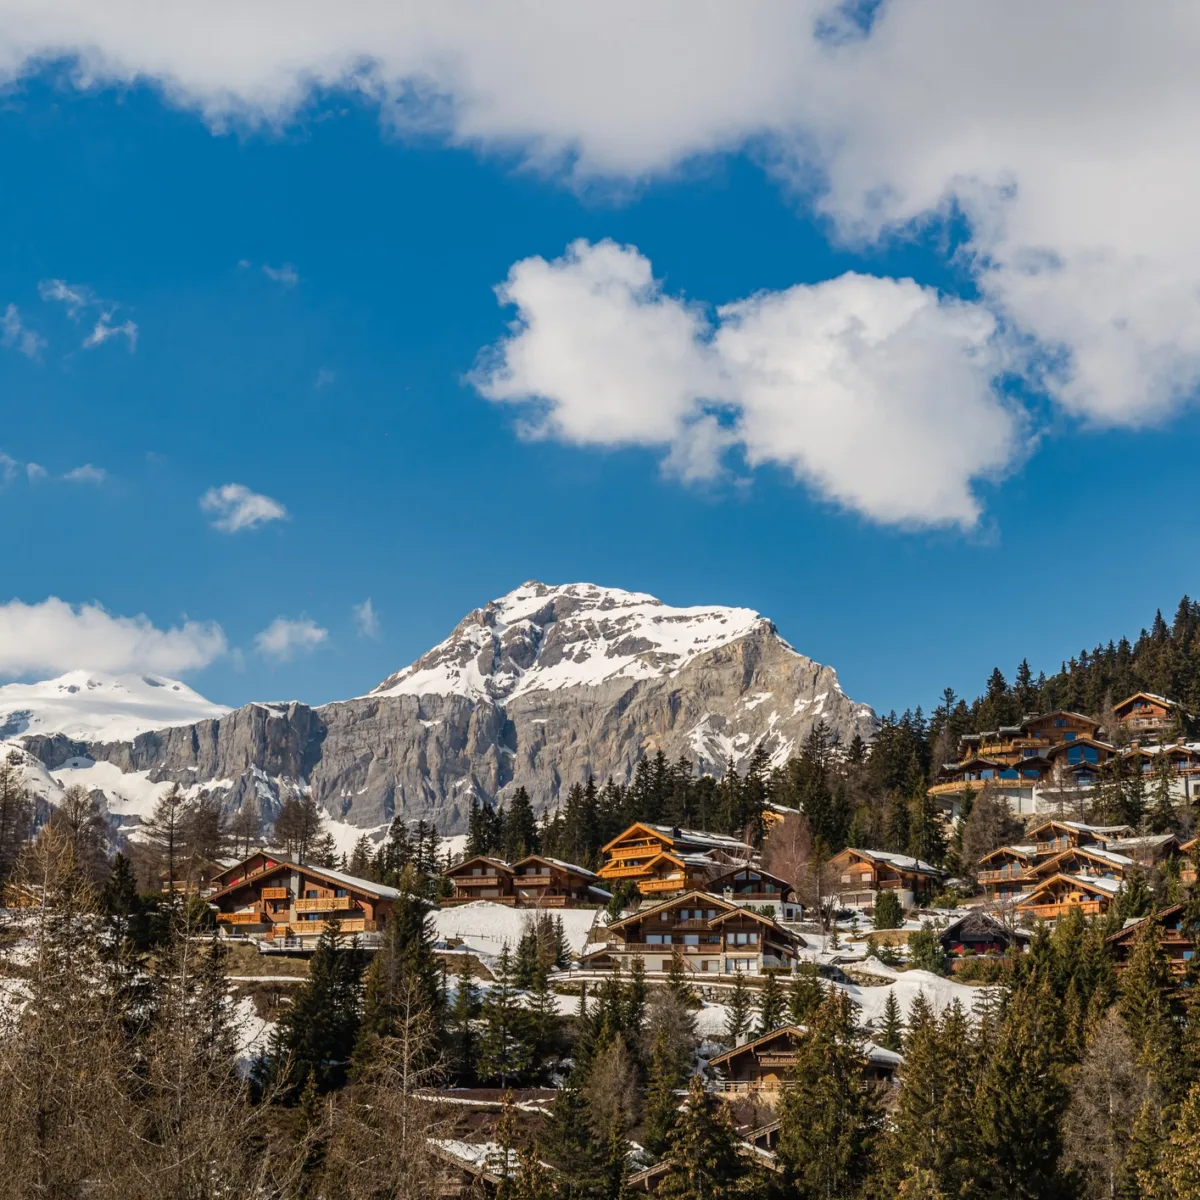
(566, 866)
(479, 1156)
(1112, 886)
(904, 862)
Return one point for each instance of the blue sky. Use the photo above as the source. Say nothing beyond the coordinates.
(337, 386)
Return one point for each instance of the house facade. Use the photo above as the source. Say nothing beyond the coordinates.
(1145, 716)
(482, 878)
(1052, 898)
(287, 905)
(859, 876)
(764, 1066)
(711, 937)
(541, 882)
(1176, 938)
(632, 854)
(752, 885)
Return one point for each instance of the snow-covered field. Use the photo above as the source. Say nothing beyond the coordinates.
(486, 929)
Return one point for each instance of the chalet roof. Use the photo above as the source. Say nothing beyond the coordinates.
(745, 912)
(1188, 847)
(1096, 852)
(746, 868)
(902, 862)
(694, 895)
(980, 922)
(1103, 831)
(1153, 696)
(1106, 887)
(498, 863)
(871, 1051)
(477, 1158)
(1063, 747)
(675, 835)
(1027, 852)
(556, 862)
(1059, 712)
(1129, 931)
(362, 885)
(1149, 841)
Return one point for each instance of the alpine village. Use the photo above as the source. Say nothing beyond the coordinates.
(954, 960)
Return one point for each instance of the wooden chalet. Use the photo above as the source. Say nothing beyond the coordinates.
(672, 874)
(1094, 862)
(1008, 871)
(1178, 942)
(764, 1065)
(979, 933)
(859, 875)
(481, 878)
(1055, 896)
(287, 905)
(630, 854)
(1053, 837)
(472, 1169)
(712, 936)
(1013, 760)
(541, 882)
(1145, 715)
(753, 885)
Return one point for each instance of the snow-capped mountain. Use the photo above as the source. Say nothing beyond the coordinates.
(540, 638)
(541, 688)
(89, 706)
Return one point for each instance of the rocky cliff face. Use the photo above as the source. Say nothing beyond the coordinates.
(540, 688)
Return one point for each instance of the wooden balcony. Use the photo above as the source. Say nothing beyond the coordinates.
(1005, 874)
(477, 881)
(670, 948)
(241, 918)
(316, 928)
(275, 893)
(533, 880)
(1051, 912)
(325, 904)
(614, 872)
(651, 886)
(784, 1059)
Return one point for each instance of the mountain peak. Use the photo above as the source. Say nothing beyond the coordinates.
(542, 637)
(94, 706)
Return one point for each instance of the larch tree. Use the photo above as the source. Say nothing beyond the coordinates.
(703, 1153)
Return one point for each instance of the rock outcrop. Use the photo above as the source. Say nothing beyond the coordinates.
(539, 688)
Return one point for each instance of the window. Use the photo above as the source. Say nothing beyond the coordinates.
(691, 939)
(1075, 754)
(340, 892)
(311, 893)
(1068, 737)
(987, 773)
(1091, 754)
(1030, 753)
(1010, 773)
(1059, 722)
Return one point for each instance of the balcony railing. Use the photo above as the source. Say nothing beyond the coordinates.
(1004, 873)
(475, 881)
(677, 884)
(275, 893)
(241, 918)
(612, 872)
(316, 928)
(325, 904)
(1089, 908)
(534, 880)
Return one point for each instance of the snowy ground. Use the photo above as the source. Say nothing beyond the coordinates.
(486, 929)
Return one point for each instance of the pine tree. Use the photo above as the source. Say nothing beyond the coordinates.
(889, 914)
(1162, 816)
(1181, 1162)
(520, 828)
(703, 1152)
(505, 1052)
(891, 1031)
(829, 1119)
(931, 1134)
(543, 1018)
(164, 832)
(772, 1004)
(461, 1025)
(316, 1035)
(805, 995)
(1145, 991)
(16, 814)
(666, 1077)
(740, 1007)
(571, 1147)
(1021, 1098)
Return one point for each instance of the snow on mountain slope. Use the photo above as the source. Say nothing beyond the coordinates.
(540, 638)
(88, 706)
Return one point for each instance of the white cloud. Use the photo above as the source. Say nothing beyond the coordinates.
(876, 393)
(35, 471)
(86, 474)
(53, 636)
(9, 467)
(285, 274)
(1068, 145)
(103, 330)
(284, 638)
(76, 296)
(15, 334)
(235, 507)
(366, 619)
